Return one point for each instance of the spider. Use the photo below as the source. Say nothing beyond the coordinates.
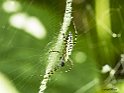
(69, 42)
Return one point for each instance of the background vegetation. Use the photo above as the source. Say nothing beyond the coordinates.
(23, 56)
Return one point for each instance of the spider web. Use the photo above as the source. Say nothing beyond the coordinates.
(22, 56)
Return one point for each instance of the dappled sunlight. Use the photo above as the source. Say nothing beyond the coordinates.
(6, 86)
(31, 25)
(11, 6)
(80, 57)
(18, 20)
(106, 68)
(34, 27)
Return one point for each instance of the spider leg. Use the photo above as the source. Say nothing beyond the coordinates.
(76, 33)
(71, 65)
(54, 51)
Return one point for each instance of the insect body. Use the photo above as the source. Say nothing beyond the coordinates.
(69, 42)
(62, 62)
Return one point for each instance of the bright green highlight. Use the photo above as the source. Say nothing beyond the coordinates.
(103, 23)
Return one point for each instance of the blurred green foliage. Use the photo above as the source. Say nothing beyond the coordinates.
(23, 57)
